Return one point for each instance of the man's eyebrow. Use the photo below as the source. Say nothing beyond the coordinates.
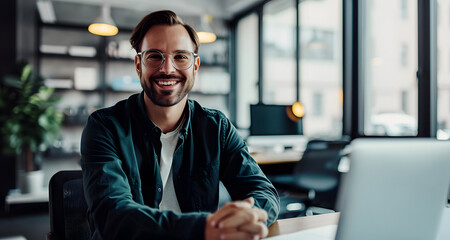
(174, 51)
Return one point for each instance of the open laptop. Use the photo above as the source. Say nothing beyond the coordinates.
(395, 189)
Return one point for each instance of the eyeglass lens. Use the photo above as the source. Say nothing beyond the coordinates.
(181, 60)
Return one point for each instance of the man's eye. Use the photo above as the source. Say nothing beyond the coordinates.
(154, 56)
(181, 56)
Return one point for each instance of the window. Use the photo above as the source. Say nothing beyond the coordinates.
(404, 13)
(390, 93)
(279, 47)
(320, 67)
(404, 101)
(247, 70)
(443, 76)
(317, 110)
(404, 55)
(317, 44)
(299, 62)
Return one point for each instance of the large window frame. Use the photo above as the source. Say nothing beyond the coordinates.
(353, 99)
(426, 74)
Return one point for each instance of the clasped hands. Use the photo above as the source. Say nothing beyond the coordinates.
(237, 220)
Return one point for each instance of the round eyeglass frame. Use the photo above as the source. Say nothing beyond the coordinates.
(140, 54)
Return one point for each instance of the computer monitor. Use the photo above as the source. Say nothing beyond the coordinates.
(272, 119)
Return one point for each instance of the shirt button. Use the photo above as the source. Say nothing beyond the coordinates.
(159, 189)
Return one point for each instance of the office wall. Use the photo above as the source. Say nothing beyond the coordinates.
(8, 32)
(26, 30)
(7, 62)
(17, 24)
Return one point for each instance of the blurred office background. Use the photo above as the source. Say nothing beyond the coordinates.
(359, 69)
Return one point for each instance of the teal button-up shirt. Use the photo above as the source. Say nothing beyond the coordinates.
(120, 149)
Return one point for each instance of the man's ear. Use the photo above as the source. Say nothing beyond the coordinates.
(137, 65)
(196, 64)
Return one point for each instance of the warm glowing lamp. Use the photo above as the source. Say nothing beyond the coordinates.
(296, 111)
(205, 33)
(104, 25)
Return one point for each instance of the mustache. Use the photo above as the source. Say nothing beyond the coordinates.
(165, 76)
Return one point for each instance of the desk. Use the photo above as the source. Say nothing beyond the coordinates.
(287, 156)
(25, 198)
(290, 225)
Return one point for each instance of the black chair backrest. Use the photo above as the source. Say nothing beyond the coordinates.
(68, 208)
(318, 168)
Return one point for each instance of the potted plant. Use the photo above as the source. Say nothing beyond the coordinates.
(29, 122)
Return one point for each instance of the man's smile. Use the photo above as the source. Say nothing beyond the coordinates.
(167, 81)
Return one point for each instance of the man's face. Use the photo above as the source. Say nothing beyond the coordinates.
(166, 85)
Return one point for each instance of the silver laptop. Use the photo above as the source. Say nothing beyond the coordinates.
(395, 189)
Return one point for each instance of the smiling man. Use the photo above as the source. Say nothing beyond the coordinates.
(152, 163)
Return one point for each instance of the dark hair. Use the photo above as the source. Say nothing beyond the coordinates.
(164, 17)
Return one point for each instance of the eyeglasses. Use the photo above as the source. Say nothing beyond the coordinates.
(181, 60)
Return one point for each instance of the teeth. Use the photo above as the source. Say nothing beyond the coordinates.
(167, 83)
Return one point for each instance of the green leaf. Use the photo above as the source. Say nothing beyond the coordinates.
(29, 119)
(44, 121)
(26, 73)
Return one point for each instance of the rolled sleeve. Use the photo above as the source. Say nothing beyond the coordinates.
(243, 177)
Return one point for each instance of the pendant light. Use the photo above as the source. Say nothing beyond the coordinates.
(46, 11)
(104, 25)
(296, 111)
(205, 33)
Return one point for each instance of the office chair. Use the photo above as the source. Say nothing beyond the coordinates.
(67, 207)
(314, 181)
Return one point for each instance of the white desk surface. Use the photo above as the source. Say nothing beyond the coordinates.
(327, 231)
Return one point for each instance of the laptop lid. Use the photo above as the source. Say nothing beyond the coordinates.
(395, 189)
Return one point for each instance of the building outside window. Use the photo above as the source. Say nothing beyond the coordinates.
(317, 110)
(247, 70)
(443, 72)
(404, 10)
(319, 64)
(279, 63)
(404, 55)
(320, 70)
(390, 95)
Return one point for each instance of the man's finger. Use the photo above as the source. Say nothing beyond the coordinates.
(227, 210)
(243, 217)
(250, 200)
(259, 229)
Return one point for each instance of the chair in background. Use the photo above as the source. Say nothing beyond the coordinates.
(67, 207)
(313, 185)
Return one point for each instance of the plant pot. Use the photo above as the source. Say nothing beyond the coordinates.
(31, 182)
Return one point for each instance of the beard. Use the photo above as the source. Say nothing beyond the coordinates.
(167, 98)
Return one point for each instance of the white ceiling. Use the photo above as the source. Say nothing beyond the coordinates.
(127, 13)
(218, 8)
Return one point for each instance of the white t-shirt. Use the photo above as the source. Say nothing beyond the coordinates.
(169, 142)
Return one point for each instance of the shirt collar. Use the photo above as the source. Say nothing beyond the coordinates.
(188, 111)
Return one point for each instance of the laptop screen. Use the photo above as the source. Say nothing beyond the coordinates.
(395, 189)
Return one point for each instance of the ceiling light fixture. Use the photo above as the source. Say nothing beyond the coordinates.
(46, 11)
(104, 25)
(205, 33)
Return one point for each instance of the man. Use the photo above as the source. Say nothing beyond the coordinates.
(152, 163)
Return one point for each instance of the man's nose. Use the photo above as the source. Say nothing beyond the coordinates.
(167, 66)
